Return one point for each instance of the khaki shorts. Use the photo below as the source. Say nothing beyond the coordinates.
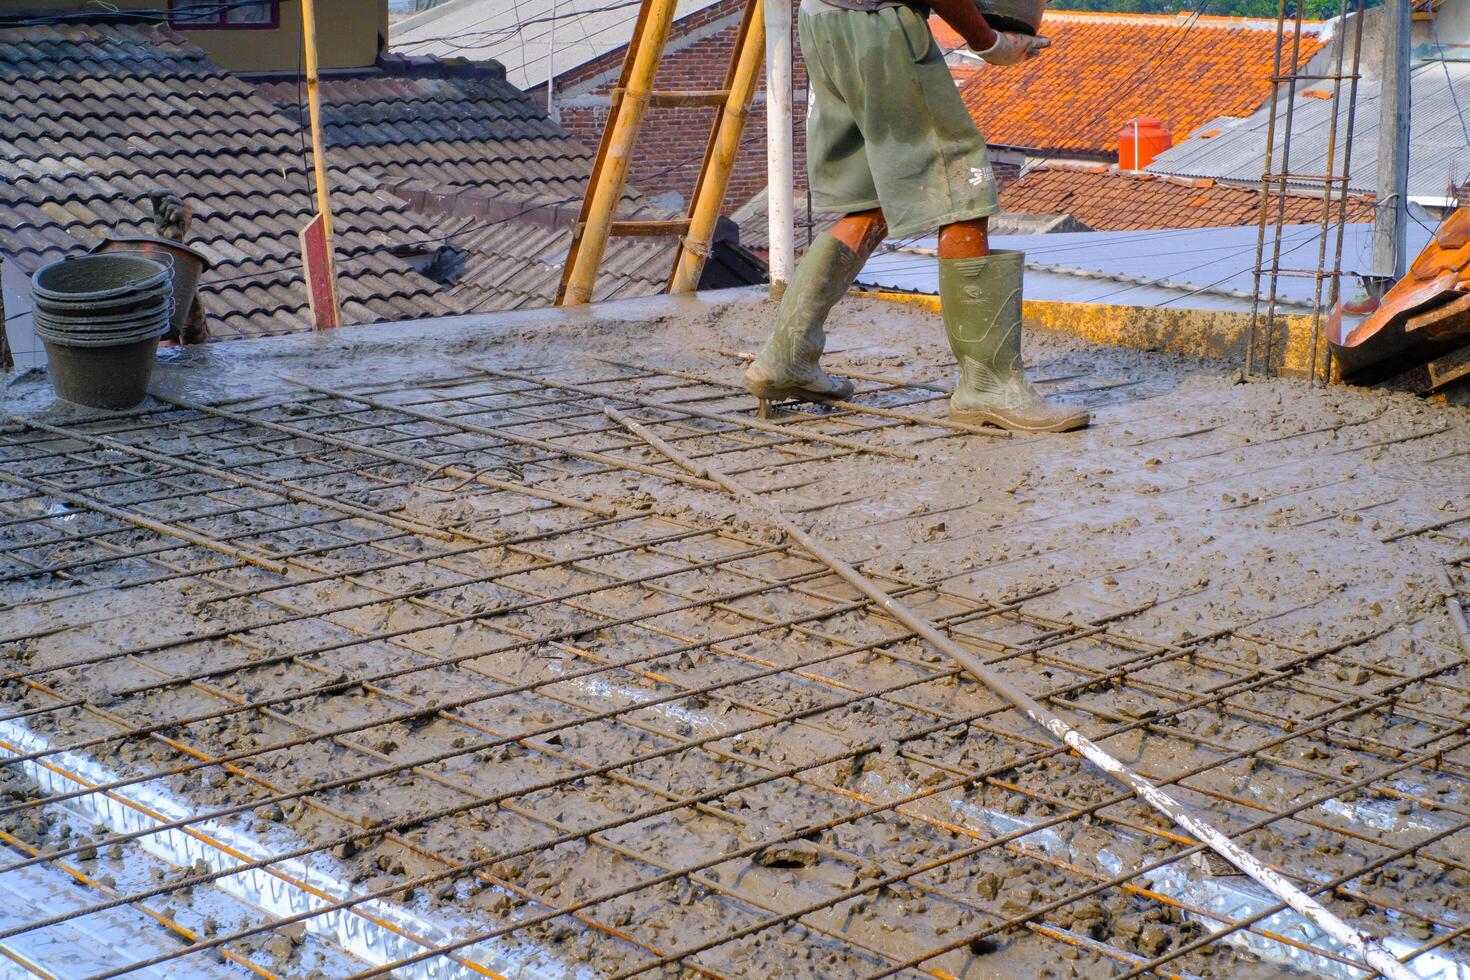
(886, 126)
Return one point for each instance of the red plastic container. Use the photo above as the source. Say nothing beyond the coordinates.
(1140, 141)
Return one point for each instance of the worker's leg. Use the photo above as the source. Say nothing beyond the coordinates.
(965, 239)
(841, 183)
(927, 165)
(787, 365)
(980, 292)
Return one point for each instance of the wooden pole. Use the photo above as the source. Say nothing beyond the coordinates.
(313, 100)
(1390, 223)
(625, 119)
(705, 211)
(1365, 947)
(7, 360)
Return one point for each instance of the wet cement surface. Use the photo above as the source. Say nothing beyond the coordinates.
(1244, 581)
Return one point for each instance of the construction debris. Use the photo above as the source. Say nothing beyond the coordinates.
(1424, 319)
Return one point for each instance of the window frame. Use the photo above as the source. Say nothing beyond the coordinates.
(220, 23)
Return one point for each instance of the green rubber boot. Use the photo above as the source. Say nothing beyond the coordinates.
(981, 300)
(787, 365)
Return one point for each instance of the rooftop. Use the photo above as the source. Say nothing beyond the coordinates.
(451, 191)
(520, 35)
(503, 182)
(1179, 268)
(97, 116)
(1109, 200)
(1104, 70)
(399, 619)
(1439, 140)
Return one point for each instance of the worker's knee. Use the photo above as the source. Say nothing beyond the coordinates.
(965, 239)
(861, 231)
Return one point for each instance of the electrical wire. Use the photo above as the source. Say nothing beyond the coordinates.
(187, 12)
(1444, 63)
(458, 41)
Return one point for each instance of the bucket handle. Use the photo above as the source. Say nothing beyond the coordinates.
(162, 258)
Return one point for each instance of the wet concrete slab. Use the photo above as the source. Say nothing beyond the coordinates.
(407, 602)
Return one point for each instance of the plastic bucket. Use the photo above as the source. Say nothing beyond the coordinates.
(1018, 16)
(153, 324)
(90, 279)
(119, 306)
(188, 265)
(115, 376)
(74, 323)
(100, 318)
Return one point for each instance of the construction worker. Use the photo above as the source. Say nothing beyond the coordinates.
(892, 148)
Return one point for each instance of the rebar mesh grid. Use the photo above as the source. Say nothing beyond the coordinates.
(421, 678)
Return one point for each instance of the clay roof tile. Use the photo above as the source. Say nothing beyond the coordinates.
(1114, 201)
(1104, 70)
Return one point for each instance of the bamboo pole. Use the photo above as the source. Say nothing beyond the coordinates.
(705, 211)
(1368, 949)
(626, 118)
(314, 104)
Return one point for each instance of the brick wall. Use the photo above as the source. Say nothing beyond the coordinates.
(671, 145)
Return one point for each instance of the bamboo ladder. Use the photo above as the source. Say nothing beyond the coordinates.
(631, 98)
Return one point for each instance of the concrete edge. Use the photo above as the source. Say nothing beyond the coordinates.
(1215, 334)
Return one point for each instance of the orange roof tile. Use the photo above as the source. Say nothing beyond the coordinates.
(1103, 70)
(945, 36)
(1113, 201)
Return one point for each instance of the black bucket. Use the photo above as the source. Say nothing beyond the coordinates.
(188, 265)
(89, 279)
(1016, 16)
(113, 377)
(100, 318)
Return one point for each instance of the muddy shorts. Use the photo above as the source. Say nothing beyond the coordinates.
(885, 124)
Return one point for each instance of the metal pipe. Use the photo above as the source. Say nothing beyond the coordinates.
(1372, 953)
(780, 173)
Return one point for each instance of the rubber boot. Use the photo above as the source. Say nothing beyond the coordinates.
(981, 300)
(787, 365)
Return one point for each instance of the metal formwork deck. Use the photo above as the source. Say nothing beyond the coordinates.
(435, 678)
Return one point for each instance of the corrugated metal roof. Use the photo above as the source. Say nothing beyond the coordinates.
(1192, 268)
(518, 33)
(1439, 141)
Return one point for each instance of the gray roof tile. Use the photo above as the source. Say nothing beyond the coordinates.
(469, 136)
(98, 115)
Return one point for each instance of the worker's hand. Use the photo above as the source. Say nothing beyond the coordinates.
(1012, 49)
